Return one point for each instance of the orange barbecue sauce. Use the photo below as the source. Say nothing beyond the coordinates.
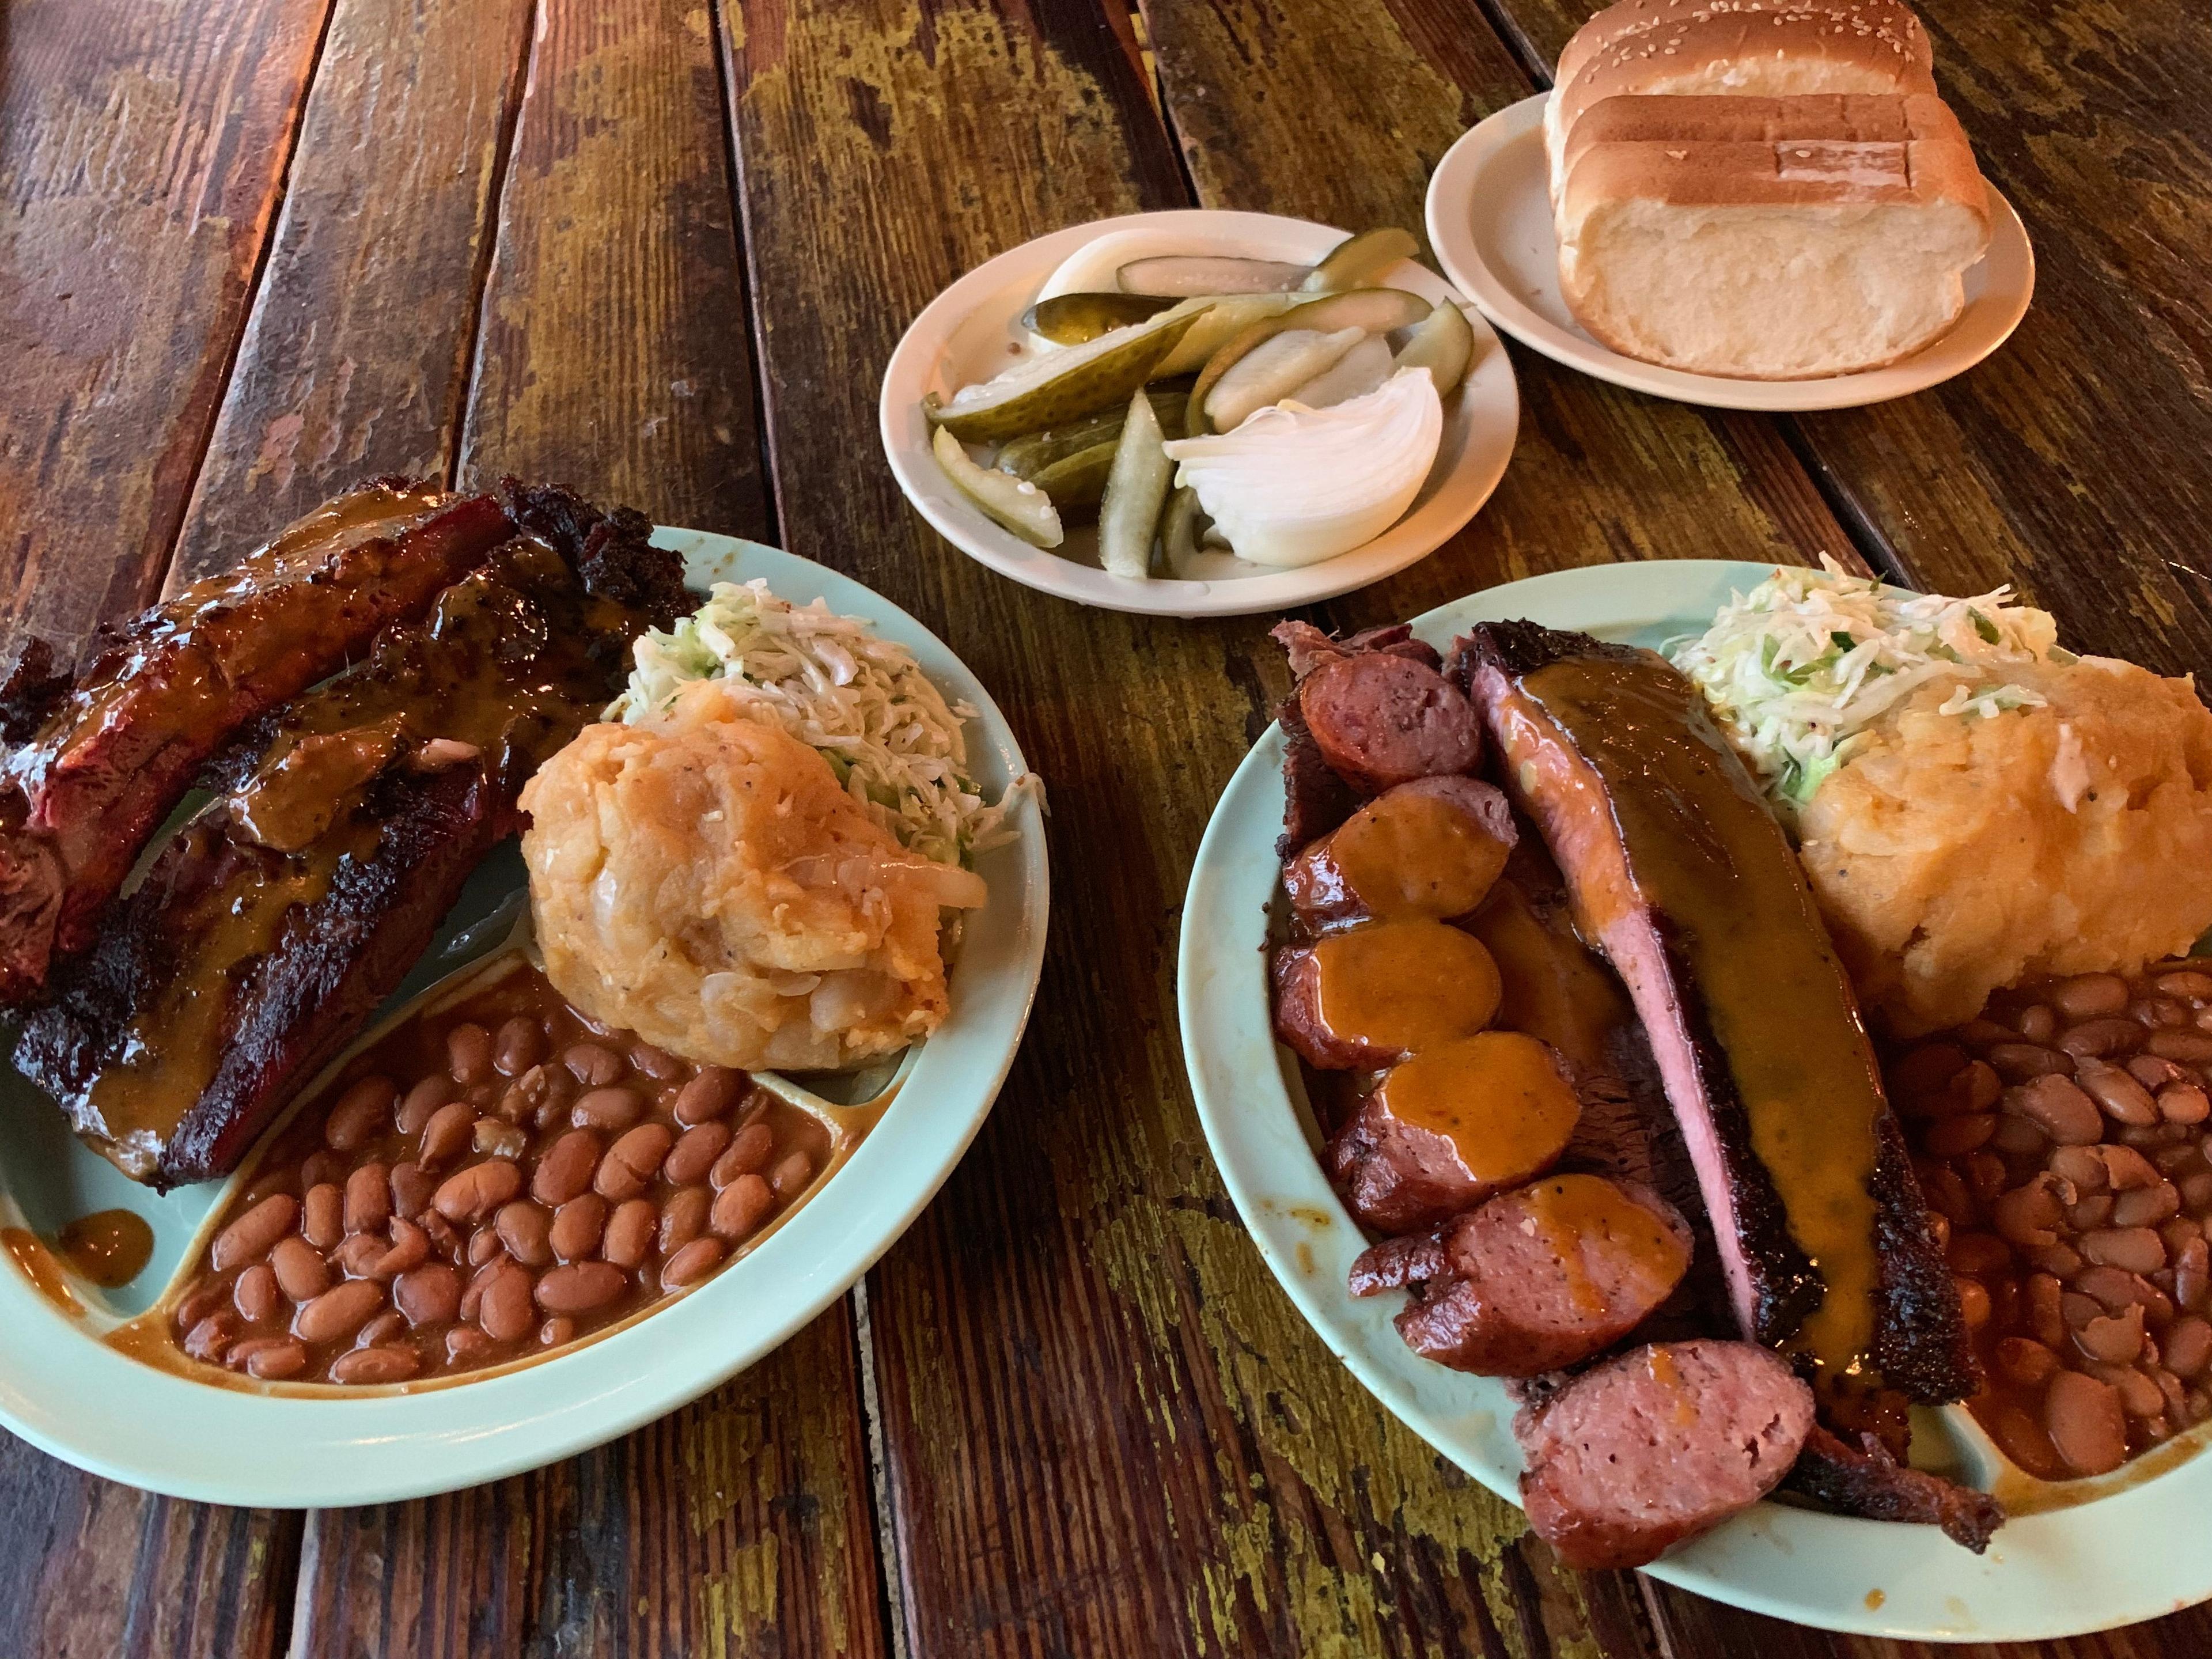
(1571, 1210)
(110, 1248)
(1410, 855)
(1404, 985)
(1497, 1096)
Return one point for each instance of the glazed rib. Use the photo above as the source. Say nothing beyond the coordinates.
(267, 933)
(111, 755)
(1678, 873)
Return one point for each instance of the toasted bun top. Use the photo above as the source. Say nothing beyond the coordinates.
(1887, 20)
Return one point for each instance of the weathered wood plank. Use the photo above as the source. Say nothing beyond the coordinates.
(738, 1525)
(355, 358)
(613, 356)
(143, 149)
(1106, 1428)
(89, 1567)
(2070, 462)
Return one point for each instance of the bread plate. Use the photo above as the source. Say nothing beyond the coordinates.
(2097, 1555)
(972, 331)
(1490, 223)
(71, 1395)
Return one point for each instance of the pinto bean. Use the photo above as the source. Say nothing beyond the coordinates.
(578, 1226)
(362, 1113)
(483, 1246)
(632, 1162)
(387, 1327)
(611, 1110)
(339, 1312)
(684, 1217)
(255, 1233)
(469, 1054)
(691, 1264)
(2023, 1062)
(422, 1103)
(1953, 1137)
(525, 1228)
(793, 1171)
(2115, 1339)
(567, 1167)
(2192, 1048)
(2184, 1102)
(1975, 1305)
(300, 1273)
(519, 1045)
(322, 1221)
(428, 1295)
(556, 1331)
(581, 1288)
(2102, 1038)
(2147, 1207)
(275, 1359)
(2046, 1320)
(478, 1190)
(695, 1153)
(256, 1293)
(629, 1233)
(2187, 983)
(2133, 1249)
(594, 1066)
(448, 1134)
(2028, 1216)
(710, 1095)
(467, 1346)
(413, 1187)
(367, 1198)
(2087, 996)
(210, 1339)
(2068, 1115)
(367, 1366)
(2083, 1418)
(505, 1309)
(2024, 1361)
(656, 1063)
(2122, 1098)
(743, 1205)
(748, 1154)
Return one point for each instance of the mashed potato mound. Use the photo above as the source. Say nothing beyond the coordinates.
(702, 879)
(1956, 855)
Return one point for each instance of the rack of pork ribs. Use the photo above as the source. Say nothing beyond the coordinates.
(363, 699)
(1641, 1166)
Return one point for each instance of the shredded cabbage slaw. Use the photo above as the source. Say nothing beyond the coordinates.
(860, 700)
(1797, 669)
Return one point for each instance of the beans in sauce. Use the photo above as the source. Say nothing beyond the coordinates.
(491, 1181)
(2062, 1141)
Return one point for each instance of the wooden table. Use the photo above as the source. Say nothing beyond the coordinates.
(660, 250)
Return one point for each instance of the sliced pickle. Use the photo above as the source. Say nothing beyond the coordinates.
(1179, 532)
(1073, 318)
(1355, 373)
(1376, 310)
(1027, 456)
(1444, 344)
(1022, 508)
(1054, 387)
(1136, 488)
(1358, 260)
(1181, 275)
(1218, 320)
(1274, 368)
(1079, 480)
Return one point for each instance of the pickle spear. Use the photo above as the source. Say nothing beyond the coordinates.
(1056, 386)
(1358, 260)
(1073, 319)
(1442, 342)
(1184, 274)
(1375, 310)
(1028, 456)
(1079, 480)
(1215, 322)
(1274, 368)
(1019, 507)
(1179, 532)
(1136, 490)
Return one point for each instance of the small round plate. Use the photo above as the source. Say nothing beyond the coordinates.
(68, 1393)
(1490, 222)
(973, 330)
(2133, 1550)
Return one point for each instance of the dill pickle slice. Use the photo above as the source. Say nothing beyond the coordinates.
(1136, 490)
(1444, 344)
(1184, 274)
(1274, 368)
(1377, 310)
(1054, 387)
(1079, 480)
(1179, 530)
(1216, 322)
(1028, 455)
(1358, 260)
(1022, 508)
(1073, 319)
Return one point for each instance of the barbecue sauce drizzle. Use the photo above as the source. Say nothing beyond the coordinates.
(1705, 854)
(513, 661)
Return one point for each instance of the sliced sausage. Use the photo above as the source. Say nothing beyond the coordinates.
(1663, 1443)
(1366, 998)
(1431, 848)
(1538, 1279)
(1450, 1127)
(1381, 720)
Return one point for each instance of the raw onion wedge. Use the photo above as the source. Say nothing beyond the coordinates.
(1179, 274)
(1358, 260)
(1071, 318)
(1442, 342)
(1273, 369)
(1056, 386)
(1019, 507)
(1136, 490)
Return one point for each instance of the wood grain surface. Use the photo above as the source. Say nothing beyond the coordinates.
(143, 149)
(355, 359)
(506, 237)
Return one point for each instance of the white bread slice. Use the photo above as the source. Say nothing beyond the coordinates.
(1756, 48)
(1769, 238)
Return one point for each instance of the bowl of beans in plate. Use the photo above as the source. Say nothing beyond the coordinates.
(2064, 1139)
(491, 1179)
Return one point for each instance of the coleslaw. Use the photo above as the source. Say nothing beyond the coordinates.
(1799, 668)
(860, 700)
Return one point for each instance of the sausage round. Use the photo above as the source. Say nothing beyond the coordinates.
(1382, 719)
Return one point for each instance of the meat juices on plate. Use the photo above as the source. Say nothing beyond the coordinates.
(485, 1183)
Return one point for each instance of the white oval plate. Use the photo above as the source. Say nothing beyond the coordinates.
(1490, 222)
(973, 330)
(2133, 1553)
(68, 1393)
